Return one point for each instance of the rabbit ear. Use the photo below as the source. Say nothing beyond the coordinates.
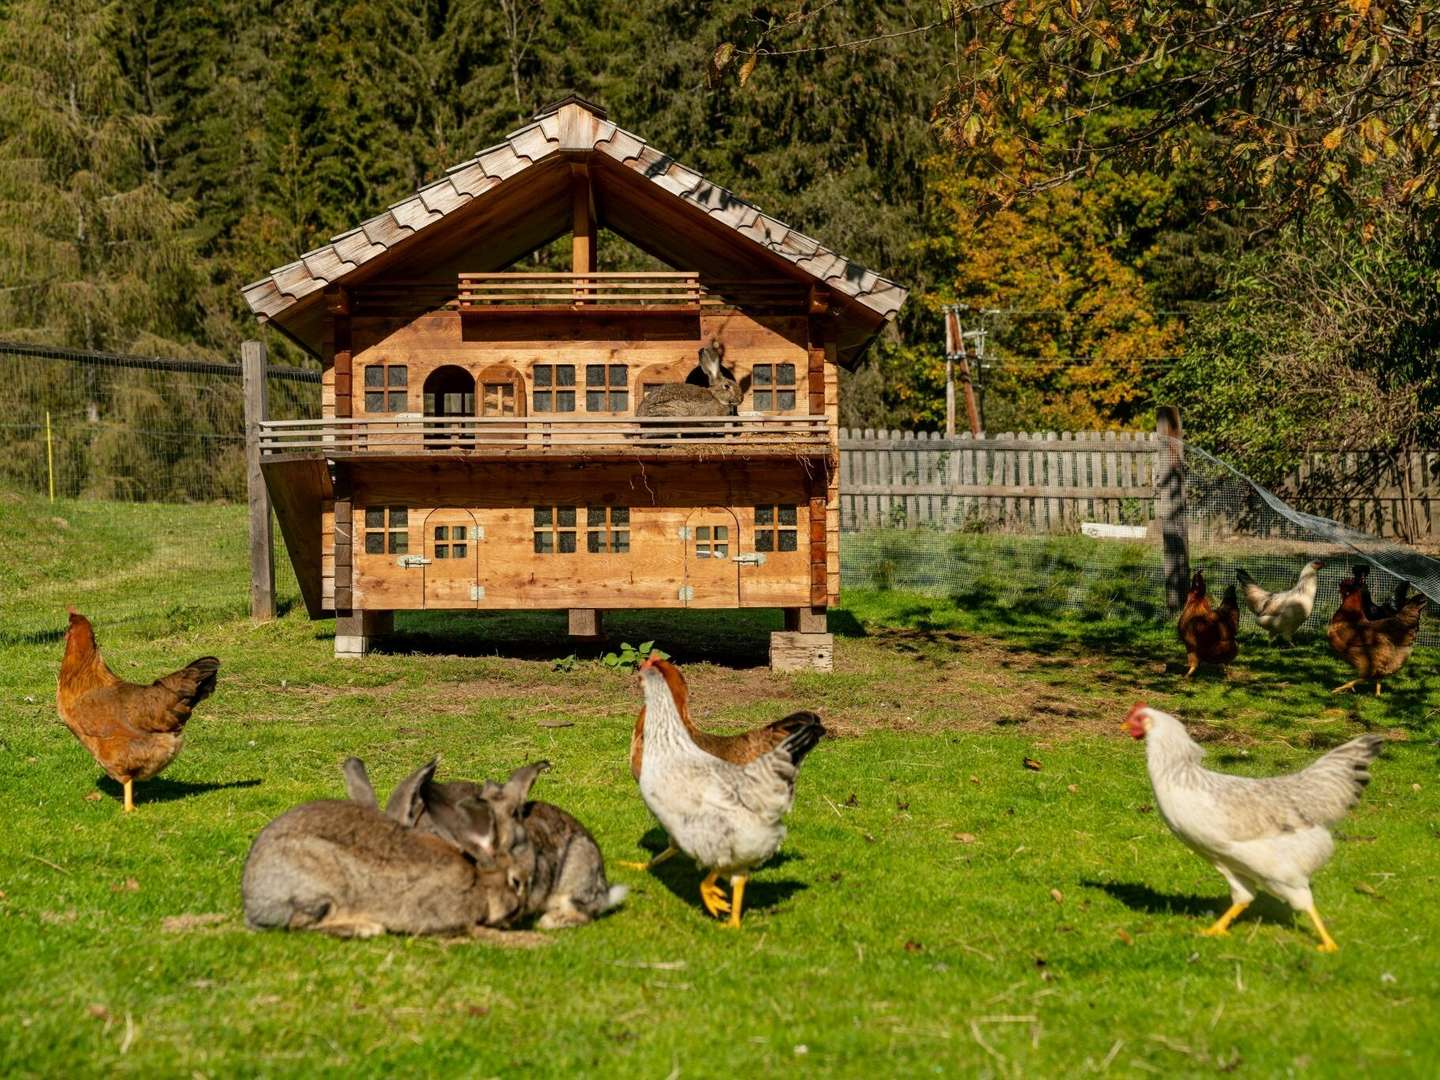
(357, 783)
(467, 822)
(710, 361)
(517, 789)
(406, 801)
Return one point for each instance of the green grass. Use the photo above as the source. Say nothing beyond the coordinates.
(938, 908)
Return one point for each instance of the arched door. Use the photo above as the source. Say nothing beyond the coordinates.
(449, 391)
(712, 576)
(452, 569)
(500, 393)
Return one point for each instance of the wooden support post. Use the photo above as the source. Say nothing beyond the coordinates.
(338, 345)
(344, 540)
(806, 620)
(357, 631)
(1170, 505)
(262, 536)
(582, 232)
(586, 624)
(794, 651)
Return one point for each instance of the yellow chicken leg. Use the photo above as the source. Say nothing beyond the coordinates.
(669, 852)
(1377, 687)
(737, 894)
(1348, 687)
(712, 896)
(129, 795)
(1327, 943)
(1222, 924)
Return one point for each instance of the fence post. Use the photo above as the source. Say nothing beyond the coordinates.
(1170, 504)
(262, 541)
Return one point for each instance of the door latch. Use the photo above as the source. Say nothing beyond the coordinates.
(750, 558)
(411, 561)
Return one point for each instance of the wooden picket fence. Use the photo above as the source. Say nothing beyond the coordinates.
(1051, 482)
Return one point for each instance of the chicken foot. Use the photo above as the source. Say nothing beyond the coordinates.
(1222, 924)
(1348, 688)
(713, 897)
(1327, 943)
(737, 893)
(669, 852)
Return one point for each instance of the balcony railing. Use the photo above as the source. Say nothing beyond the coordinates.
(546, 436)
(603, 293)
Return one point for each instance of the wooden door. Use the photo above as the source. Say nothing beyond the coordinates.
(452, 572)
(712, 576)
(499, 399)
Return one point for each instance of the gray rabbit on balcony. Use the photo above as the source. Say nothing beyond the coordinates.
(720, 398)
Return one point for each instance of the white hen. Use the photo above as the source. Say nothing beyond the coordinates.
(1268, 834)
(1282, 613)
(726, 817)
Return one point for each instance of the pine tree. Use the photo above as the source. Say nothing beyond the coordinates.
(93, 253)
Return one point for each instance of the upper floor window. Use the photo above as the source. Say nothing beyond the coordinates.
(773, 387)
(776, 528)
(552, 388)
(607, 530)
(387, 529)
(498, 399)
(554, 530)
(385, 387)
(607, 388)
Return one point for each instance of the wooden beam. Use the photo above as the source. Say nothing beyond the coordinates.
(344, 540)
(262, 537)
(586, 624)
(338, 345)
(582, 238)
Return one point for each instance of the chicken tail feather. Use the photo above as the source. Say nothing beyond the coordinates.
(1338, 778)
(803, 740)
(193, 683)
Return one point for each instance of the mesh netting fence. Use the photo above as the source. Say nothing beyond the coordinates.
(122, 486)
(1001, 553)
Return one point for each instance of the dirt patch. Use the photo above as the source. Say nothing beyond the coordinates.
(179, 924)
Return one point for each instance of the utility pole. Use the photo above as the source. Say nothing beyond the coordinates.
(955, 338)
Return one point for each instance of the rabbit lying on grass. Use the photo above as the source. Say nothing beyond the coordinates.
(346, 869)
(552, 858)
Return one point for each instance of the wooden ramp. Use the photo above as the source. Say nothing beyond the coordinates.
(299, 488)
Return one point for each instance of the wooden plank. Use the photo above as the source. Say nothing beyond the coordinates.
(344, 540)
(262, 540)
(1170, 508)
(299, 491)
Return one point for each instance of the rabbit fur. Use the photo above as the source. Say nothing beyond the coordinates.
(553, 860)
(720, 398)
(346, 869)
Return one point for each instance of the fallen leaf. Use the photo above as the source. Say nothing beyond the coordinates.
(1414, 787)
(852, 800)
(1071, 788)
(974, 779)
(100, 1012)
(1057, 896)
(914, 946)
(1033, 765)
(94, 796)
(128, 885)
(478, 1010)
(965, 837)
(1126, 938)
(1368, 890)
(902, 806)
(1144, 808)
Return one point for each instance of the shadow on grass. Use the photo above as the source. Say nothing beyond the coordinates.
(163, 790)
(1140, 897)
(738, 639)
(680, 875)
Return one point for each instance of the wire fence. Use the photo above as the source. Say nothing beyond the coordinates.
(131, 472)
(1103, 562)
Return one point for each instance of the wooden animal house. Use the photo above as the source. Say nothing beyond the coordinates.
(497, 438)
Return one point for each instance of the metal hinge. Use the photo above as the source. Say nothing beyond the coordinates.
(686, 593)
(477, 592)
(411, 561)
(751, 558)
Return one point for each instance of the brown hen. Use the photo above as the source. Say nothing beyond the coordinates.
(132, 731)
(1375, 648)
(739, 749)
(1208, 635)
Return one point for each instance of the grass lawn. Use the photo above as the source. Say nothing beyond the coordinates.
(938, 908)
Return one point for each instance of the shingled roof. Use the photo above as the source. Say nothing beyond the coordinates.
(570, 130)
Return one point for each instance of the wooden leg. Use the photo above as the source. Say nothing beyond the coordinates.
(356, 631)
(586, 624)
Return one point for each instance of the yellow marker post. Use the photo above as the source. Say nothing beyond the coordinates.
(50, 455)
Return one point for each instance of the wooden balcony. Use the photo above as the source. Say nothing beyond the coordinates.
(534, 438)
(606, 293)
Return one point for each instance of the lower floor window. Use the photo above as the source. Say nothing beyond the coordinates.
(776, 528)
(452, 541)
(712, 541)
(387, 529)
(554, 530)
(607, 530)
